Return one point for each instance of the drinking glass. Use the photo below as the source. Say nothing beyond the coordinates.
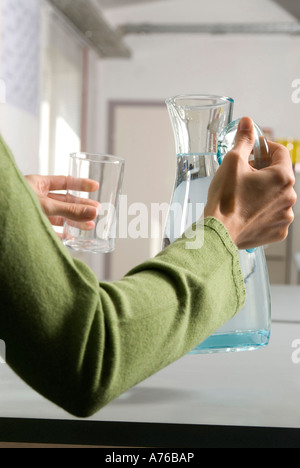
(108, 171)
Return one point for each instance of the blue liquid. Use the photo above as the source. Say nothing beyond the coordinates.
(233, 342)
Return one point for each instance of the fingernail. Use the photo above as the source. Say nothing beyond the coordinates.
(89, 225)
(245, 124)
(90, 212)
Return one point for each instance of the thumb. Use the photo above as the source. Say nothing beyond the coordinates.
(245, 138)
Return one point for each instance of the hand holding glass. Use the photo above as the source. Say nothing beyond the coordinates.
(107, 171)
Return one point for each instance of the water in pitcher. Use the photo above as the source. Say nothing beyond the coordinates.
(250, 328)
(194, 175)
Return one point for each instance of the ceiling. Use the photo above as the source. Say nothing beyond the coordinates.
(88, 19)
(292, 6)
(106, 4)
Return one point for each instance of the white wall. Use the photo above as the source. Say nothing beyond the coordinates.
(22, 137)
(19, 70)
(61, 93)
(41, 66)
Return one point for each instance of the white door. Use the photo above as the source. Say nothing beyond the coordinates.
(141, 133)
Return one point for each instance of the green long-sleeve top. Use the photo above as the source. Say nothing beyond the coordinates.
(80, 343)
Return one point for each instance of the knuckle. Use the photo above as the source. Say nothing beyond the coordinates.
(47, 206)
(78, 210)
(244, 142)
(233, 156)
(282, 232)
(288, 217)
(279, 178)
(282, 226)
(73, 209)
(283, 151)
(283, 179)
(290, 197)
(42, 185)
(290, 179)
(282, 235)
(245, 138)
(294, 198)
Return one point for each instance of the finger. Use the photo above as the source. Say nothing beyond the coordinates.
(281, 164)
(279, 153)
(71, 199)
(72, 183)
(82, 185)
(59, 221)
(76, 212)
(245, 138)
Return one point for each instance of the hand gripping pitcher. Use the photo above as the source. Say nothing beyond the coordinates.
(203, 134)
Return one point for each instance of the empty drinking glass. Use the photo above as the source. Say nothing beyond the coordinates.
(108, 171)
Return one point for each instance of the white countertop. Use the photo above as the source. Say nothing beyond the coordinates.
(257, 388)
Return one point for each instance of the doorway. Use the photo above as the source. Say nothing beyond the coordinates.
(141, 133)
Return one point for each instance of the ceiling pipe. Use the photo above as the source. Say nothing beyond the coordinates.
(292, 28)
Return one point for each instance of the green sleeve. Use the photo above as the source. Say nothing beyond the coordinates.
(80, 343)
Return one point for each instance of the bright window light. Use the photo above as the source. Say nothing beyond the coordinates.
(66, 142)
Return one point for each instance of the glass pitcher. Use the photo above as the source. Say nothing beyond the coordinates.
(203, 133)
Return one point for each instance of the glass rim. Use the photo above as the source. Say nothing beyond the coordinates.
(219, 100)
(97, 157)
